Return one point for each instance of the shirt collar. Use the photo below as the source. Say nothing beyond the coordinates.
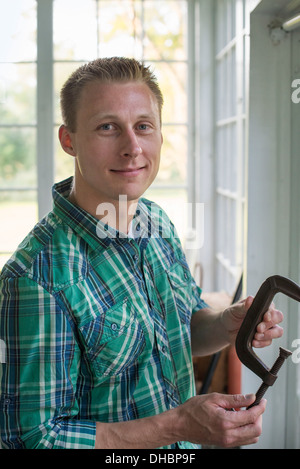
(94, 231)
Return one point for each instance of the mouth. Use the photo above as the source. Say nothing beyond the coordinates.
(128, 172)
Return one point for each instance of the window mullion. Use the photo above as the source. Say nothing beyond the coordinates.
(191, 106)
(45, 105)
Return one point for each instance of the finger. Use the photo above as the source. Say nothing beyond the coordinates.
(246, 425)
(266, 338)
(235, 401)
(261, 343)
(274, 332)
(247, 434)
(271, 318)
(250, 415)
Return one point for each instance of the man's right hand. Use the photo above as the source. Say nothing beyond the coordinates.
(208, 420)
(202, 420)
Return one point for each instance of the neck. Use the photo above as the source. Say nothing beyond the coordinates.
(118, 214)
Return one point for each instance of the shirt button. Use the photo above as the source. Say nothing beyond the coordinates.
(114, 326)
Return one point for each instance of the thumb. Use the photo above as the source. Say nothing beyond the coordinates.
(236, 401)
(248, 302)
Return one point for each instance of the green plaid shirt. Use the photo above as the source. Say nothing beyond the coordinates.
(96, 326)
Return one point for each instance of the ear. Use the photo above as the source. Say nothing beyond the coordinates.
(66, 141)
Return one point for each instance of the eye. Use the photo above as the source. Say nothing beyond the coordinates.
(105, 127)
(144, 127)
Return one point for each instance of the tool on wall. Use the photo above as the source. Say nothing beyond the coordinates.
(262, 301)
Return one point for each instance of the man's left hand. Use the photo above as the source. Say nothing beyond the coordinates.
(266, 331)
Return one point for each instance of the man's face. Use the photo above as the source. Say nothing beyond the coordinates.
(117, 141)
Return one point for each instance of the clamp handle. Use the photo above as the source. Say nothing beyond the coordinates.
(261, 303)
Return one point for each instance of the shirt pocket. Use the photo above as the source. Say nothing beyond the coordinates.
(180, 279)
(114, 340)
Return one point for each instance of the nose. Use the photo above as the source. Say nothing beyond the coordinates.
(130, 145)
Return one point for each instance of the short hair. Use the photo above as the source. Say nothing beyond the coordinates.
(105, 70)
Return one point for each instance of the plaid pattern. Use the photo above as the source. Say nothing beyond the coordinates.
(96, 326)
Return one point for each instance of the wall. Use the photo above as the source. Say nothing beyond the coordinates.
(273, 206)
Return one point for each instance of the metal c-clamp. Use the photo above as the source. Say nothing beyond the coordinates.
(243, 345)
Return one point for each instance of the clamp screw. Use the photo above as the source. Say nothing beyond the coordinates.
(283, 355)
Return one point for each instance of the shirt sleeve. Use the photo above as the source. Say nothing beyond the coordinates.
(38, 406)
(197, 301)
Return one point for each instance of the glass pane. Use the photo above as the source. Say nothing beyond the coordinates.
(226, 23)
(221, 110)
(120, 28)
(226, 85)
(173, 166)
(18, 30)
(18, 101)
(75, 30)
(17, 157)
(18, 218)
(165, 30)
(172, 79)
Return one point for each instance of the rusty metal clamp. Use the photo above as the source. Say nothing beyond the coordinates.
(262, 301)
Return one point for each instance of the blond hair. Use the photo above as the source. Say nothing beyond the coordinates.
(105, 70)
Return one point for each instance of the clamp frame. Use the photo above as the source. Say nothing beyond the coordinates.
(262, 301)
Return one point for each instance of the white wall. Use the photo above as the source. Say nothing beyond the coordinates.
(273, 206)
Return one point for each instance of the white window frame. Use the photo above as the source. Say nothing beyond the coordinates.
(45, 105)
(229, 232)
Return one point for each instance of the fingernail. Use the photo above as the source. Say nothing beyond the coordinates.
(259, 336)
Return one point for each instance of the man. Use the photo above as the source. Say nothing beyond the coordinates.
(98, 304)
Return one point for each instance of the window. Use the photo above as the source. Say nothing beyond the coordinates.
(39, 58)
(18, 178)
(231, 65)
(153, 31)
